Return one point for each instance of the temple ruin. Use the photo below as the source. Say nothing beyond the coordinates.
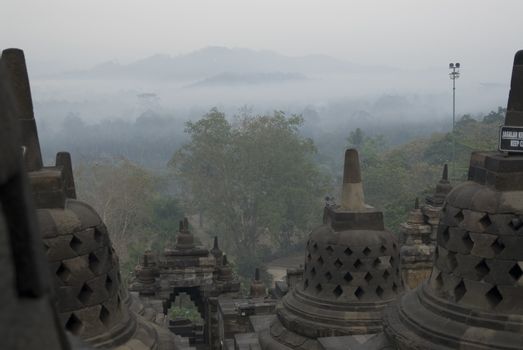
(418, 235)
(187, 267)
(452, 278)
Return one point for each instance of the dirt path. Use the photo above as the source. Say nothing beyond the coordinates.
(278, 267)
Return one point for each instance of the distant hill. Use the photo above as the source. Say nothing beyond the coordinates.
(213, 61)
(235, 79)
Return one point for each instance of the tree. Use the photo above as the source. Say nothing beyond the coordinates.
(120, 192)
(254, 179)
(356, 138)
(497, 118)
(394, 177)
(136, 208)
(166, 213)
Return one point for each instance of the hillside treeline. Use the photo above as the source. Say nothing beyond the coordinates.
(257, 182)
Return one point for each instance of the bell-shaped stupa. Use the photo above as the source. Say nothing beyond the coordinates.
(91, 300)
(351, 273)
(474, 296)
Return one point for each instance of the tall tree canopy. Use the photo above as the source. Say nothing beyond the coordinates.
(254, 179)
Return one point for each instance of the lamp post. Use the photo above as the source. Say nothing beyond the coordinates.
(454, 74)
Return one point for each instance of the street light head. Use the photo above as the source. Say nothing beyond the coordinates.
(451, 65)
(457, 65)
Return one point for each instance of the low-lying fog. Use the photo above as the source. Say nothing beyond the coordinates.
(231, 78)
(139, 110)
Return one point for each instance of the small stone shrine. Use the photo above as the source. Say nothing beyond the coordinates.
(434, 203)
(416, 250)
(187, 267)
(418, 238)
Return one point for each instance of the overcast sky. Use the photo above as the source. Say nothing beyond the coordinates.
(417, 33)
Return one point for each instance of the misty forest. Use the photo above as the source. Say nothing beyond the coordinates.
(253, 174)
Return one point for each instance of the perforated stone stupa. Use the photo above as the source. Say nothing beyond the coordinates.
(91, 300)
(351, 273)
(474, 297)
(28, 319)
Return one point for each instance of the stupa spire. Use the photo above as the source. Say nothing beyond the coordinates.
(352, 197)
(445, 175)
(16, 74)
(514, 116)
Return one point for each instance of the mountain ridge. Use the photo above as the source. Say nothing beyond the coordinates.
(214, 60)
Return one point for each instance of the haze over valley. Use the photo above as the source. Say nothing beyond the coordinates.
(173, 109)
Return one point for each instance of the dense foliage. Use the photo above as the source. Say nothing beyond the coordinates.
(254, 180)
(259, 184)
(394, 177)
(132, 203)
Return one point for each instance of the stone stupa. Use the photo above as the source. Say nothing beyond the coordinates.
(28, 317)
(91, 300)
(351, 273)
(474, 297)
